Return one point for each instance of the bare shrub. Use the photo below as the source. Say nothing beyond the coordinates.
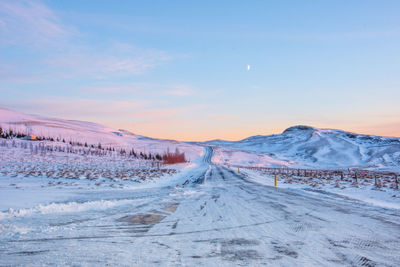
(173, 158)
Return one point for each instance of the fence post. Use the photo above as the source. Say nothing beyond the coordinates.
(275, 181)
(397, 182)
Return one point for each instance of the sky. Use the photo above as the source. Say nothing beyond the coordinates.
(179, 69)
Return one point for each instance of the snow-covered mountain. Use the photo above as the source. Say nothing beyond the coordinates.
(298, 146)
(304, 146)
(90, 133)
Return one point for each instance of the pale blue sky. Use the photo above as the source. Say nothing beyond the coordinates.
(178, 69)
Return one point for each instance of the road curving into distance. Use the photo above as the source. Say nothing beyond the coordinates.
(217, 217)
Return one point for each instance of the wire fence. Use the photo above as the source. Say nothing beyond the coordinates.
(379, 178)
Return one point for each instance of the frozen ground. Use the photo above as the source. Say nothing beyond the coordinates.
(385, 196)
(18, 159)
(224, 156)
(206, 215)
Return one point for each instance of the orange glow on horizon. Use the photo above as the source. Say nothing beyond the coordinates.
(242, 133)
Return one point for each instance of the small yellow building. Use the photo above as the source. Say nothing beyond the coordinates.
(31, 137)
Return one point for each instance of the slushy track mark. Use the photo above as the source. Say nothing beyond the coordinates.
(146, 235)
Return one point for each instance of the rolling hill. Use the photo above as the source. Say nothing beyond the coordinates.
(304, 146)
(90, 133)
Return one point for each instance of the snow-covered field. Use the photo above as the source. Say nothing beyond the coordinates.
(224, 156)
(383, 194)
(65, 204)
(19, 158)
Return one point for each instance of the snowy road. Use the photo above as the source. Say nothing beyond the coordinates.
(216, 218)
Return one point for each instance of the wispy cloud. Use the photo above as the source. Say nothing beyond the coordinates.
(61, 50)
(72, 108)
(30, 22)
(108, 62)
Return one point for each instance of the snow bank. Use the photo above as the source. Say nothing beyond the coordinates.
(364, 191)
(225, 156)
(64, 208)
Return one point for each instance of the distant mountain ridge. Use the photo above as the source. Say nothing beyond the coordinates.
(298, 146)
(322, 148)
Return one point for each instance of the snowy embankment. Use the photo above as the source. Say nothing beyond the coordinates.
(23, 195)
(223, 156)
(384, 195)
(29, 195)
(44, 182)
(20, 159)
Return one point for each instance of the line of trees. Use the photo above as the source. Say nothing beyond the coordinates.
(43, 148)
(85, 149)
(8, 134)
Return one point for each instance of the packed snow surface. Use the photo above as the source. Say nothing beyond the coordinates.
(210, 216)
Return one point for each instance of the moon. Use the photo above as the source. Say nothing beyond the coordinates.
(248, 67)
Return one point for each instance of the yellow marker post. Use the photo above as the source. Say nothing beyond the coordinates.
(275, 181)
(228, 166)
(238, 169)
